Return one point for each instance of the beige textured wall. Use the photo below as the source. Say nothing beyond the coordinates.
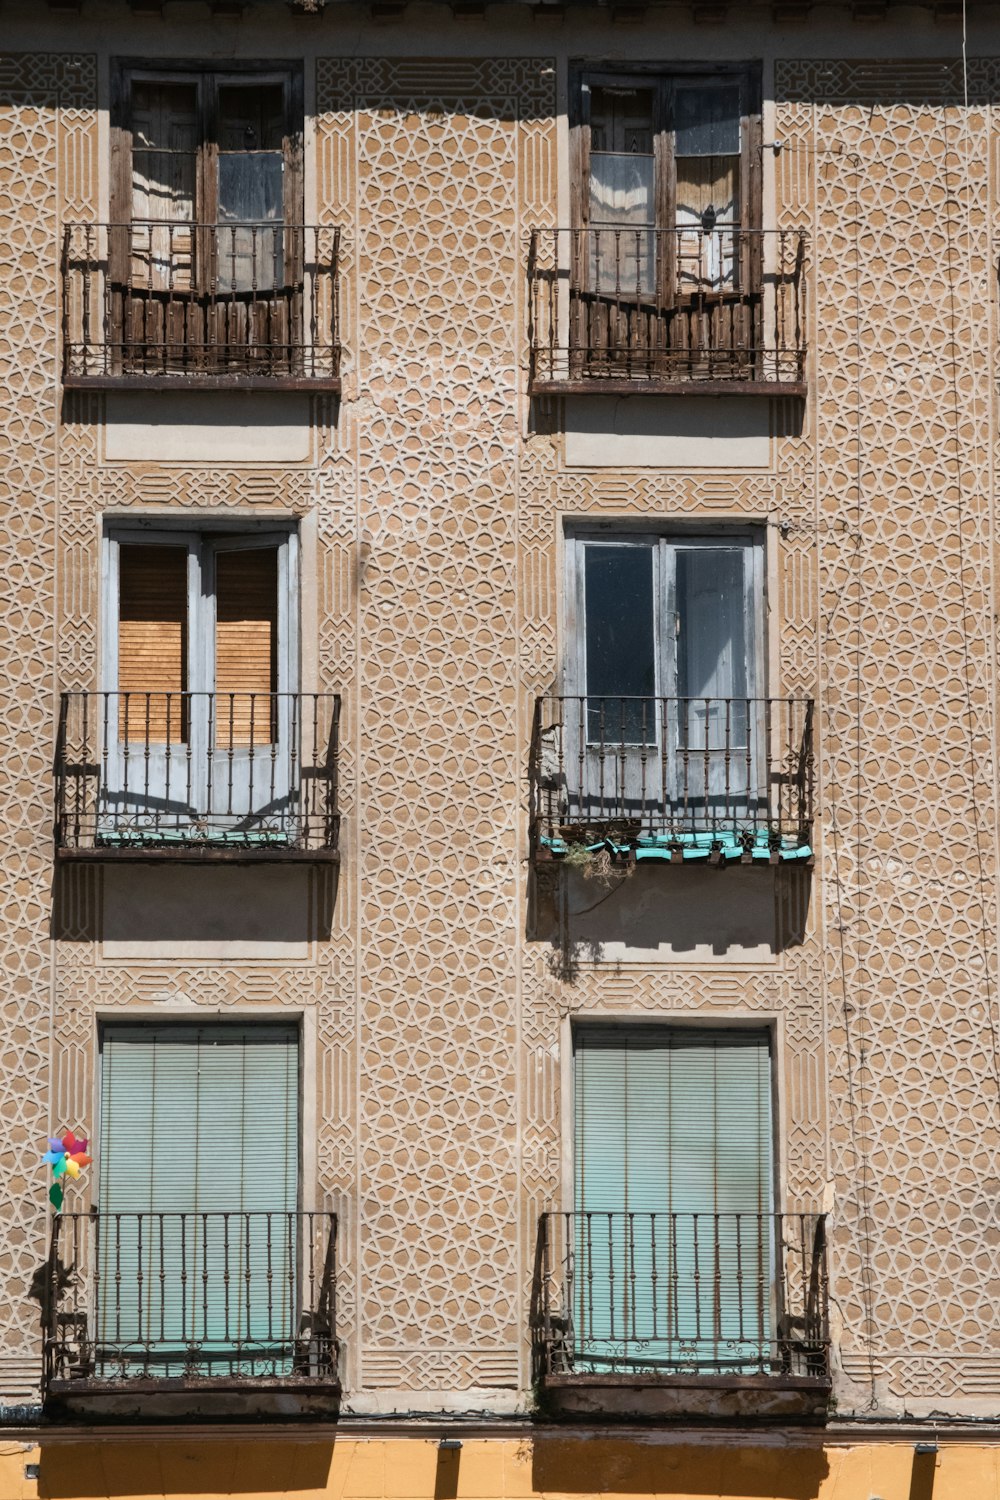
(434, 514)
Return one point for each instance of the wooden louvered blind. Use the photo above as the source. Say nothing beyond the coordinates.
(152, 643)
(246, 646)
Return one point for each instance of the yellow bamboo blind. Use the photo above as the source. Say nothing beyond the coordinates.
(246, 646)
(152, 643)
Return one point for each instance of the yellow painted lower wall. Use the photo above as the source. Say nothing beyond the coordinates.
(487, 1469)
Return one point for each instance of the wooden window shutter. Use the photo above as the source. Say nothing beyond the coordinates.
(152, 642)
(165, 135)
(246, 646)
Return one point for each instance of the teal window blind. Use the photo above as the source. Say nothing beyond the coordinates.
(198, 1186)
(674, 1196)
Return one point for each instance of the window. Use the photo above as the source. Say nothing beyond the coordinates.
(665, 672)
(198, 1187)
(674, 1196)
(207, 258)
(668, 176)
(200, 667)
(667, 247)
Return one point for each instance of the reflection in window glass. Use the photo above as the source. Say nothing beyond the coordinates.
(251, 187)
(622, 190)
(707, 162)
(712, 646)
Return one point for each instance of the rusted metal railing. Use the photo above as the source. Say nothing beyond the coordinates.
(234, 1298)
(206, 303)
(614, 307)
(634, 767)
(705, 1294)
(170, 772)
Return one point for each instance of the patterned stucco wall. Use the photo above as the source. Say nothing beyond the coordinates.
(438, 511)
(46, 171)
(900, 182)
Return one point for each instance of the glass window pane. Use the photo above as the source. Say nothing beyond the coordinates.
(712, 644)
(707, 120)
(620, 642)
(622, 190)
(251, 187)
(250, 237)
(707, 165)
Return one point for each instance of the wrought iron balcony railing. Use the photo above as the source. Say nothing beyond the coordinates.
(620, 309)
(197, 775)
(150, 304)
(678, 778)
(221, 1299)
(662, 1295)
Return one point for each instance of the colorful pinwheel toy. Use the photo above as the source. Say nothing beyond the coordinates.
(66, 1155)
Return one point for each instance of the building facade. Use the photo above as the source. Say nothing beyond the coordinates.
(499, 775)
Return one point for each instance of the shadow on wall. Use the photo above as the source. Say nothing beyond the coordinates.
(197, 912)
(103, 1468)
(564, 1465)
(620, 913)
(238, 427)
(922, 1477)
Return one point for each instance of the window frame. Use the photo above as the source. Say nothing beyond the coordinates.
(203, 544)
(208, 78)
(660, 539)
(663, 78)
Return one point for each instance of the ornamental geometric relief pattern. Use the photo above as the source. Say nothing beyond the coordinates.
(439, 160)
(43, 143)
(905, 250)
(436, 507)
(47, 173)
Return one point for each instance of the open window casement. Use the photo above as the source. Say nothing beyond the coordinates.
(206, 208)
(667, 205)
(665, 662)
(667, 152)
(164, 137)
(200, 662)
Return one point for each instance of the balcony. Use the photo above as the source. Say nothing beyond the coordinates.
(163, 1304)
(691, 311)
(237, 777)
(712, 1314)
(235, 306)
(704, 780)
